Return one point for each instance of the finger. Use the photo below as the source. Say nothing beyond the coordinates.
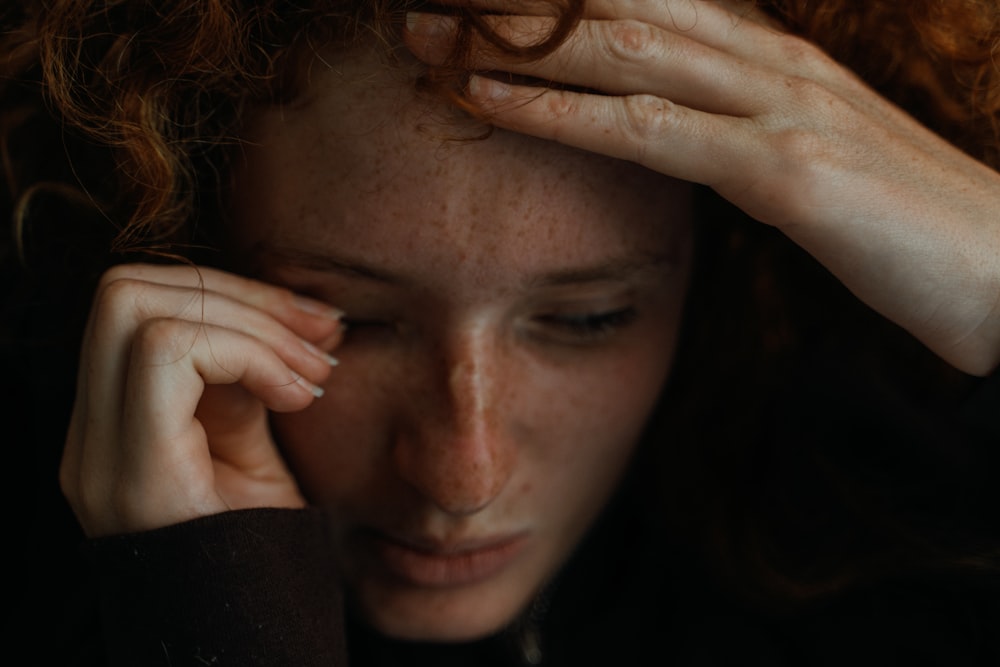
(525, 7)
(127, 302)
(124, 303)
(715, 60)
(171, 355)
(162, 447)
(727, 25)
(603, 9)
(171, 363)
(136, 457)
(714, 22)
(635, 58)
(309, 318)
(737, 28)
(120, 309)
(768, 168)
(129, 293)
(668, 138)
(625, 58)
(279, 320)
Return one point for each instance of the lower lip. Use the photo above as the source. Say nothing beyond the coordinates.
(445, 570)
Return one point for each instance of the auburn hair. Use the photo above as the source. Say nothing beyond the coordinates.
(162, 87)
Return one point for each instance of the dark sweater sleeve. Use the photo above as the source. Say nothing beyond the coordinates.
(249, 587)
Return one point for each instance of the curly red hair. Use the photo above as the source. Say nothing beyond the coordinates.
(163, 86)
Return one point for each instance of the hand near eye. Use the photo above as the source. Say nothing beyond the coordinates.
(712, 92)
(179, 367)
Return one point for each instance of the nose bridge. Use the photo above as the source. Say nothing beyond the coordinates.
(457, 452)
(470, 387)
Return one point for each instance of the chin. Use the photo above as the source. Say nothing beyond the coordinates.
(458, 615)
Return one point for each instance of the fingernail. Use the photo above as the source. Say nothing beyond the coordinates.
(314, 307)
(328, 358)
(485, 89)
(313, 389)
(428, 25)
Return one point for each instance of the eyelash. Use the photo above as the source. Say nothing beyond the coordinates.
(589, 327)
(575, 327)
(351, 325)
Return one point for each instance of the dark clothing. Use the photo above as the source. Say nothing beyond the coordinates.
(246, 588)
(257, 587)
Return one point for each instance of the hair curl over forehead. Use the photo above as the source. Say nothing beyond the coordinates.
(161, 87)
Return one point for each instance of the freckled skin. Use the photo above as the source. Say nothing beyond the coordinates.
(463, 413)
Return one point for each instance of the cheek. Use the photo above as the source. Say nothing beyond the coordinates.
(593, 417)
(335, 446)
(589, 417)
(612, 401)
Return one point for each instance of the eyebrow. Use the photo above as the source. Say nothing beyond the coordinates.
(614, 269)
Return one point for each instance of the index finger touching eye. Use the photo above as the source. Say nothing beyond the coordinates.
(310, 318)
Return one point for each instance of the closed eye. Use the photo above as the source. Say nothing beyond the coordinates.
(586, 327)
(356, 323)
(357, 329)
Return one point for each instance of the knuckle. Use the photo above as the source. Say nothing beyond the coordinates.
(116, 302)
(630, 41)
(117, 292)
(558, 105)
(796, 50)
(799, 148)
(277, 298)
(804, 158)
(117, 272)
(806, 92)
(646, 119)
(162, 340)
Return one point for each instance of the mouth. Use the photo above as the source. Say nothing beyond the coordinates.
(432, 564)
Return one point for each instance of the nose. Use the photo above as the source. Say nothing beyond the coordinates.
(456, 449)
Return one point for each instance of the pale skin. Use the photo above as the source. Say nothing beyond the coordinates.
(714, 93)
(181, 370)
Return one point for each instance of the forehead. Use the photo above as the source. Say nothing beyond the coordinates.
(363, 158)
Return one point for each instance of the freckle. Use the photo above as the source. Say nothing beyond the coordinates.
(526, 488)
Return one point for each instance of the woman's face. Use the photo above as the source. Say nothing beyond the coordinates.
(512, 307)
